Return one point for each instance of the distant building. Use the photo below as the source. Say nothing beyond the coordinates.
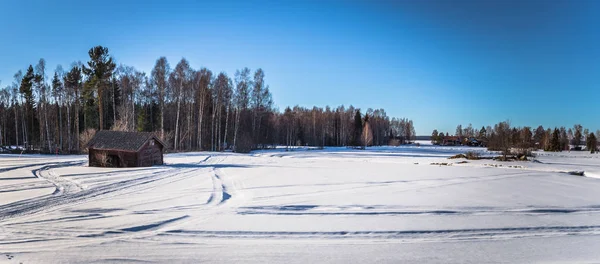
(476, 142)
(451, 141)
(463, 141)
(125, 149)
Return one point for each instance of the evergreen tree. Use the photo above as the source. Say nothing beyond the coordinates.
(301, 135)
(99, 71)
(555, 141)
(539, 136)
(357, 128)
(592, 143)
(577, 135)
(435, 137)
(57, 92)
(482, 133)
(26, 90)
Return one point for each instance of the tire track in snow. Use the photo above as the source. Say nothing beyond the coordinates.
(378, 210)
(215, 202)
(222, 193)
(217, 194)
(222, 189)
(219, 201)
(225, 195)
(62, 184)
(45, 183)
(24, 166)
(72, 195)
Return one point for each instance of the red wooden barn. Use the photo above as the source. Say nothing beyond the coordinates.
(125, 149)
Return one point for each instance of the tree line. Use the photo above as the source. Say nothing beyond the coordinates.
(189, 109)
(503, 137)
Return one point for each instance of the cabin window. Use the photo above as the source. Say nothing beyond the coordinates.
(152, 142)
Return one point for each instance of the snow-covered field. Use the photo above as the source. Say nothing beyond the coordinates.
(380, 205)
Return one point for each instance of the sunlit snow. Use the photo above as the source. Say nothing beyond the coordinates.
(336, 205)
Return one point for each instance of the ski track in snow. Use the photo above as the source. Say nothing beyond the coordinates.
(329, 196)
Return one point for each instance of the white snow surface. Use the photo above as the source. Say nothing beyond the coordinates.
(335, 205)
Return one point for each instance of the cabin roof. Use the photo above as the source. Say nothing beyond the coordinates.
(121, 140)
(451, 138)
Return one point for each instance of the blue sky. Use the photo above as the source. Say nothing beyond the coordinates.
(440, 63)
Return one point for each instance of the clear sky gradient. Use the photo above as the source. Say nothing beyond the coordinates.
(440, 63)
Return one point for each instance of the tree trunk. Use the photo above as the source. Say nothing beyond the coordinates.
(77, 122)
(258, 130)
(201, 103)
(114, 104)
(200, 118)
(177, 120)
(16, 126)
(314, 118)
(24, 128)
(100, 107)
(219, 123)
(254, 134)
(152, 125)
(226, 123)
(212, 130)
(213, 125)
(40, 125)
(187, 125)
(47, 131)
(60, 127)
(69, 128)
(133, 123)
(162, 116)
(237, 125)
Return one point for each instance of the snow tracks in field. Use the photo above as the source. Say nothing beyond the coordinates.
(404, 235)
(69, 191)
(62, 184)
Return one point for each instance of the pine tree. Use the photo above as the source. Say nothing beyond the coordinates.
(555, 141)
(539, 136)
(592, 143)
(57, 91)
(160, 74)
(301, 135)
(435, 137)
(564, 139)
(99, 71)
(26, 90)
(357, 128)
(482, 133)
(577, 135)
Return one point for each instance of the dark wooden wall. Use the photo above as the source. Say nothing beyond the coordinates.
(150, 154)
(117, 158)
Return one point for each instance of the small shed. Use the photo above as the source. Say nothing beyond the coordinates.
(125, 149)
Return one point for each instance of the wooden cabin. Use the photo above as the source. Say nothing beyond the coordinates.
(451, 141)
(125, 149)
